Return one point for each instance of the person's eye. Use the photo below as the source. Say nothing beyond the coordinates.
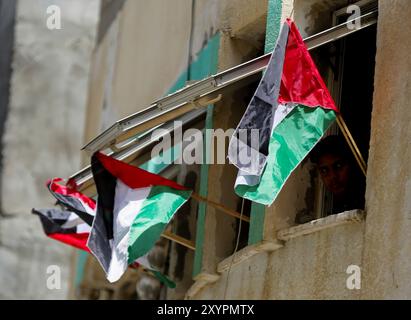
(338, 165)
(323, 171)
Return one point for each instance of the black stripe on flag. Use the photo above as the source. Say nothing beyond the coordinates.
(54, 219)
(73, 204)
(102, 230)
(260, 114)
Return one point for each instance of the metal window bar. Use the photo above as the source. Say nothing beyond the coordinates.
(188, 98)
(192, 97)
(84, 178)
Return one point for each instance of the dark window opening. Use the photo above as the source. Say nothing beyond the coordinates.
(347, 67)
(353, 84)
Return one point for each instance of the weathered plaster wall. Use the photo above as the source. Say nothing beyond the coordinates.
(296, 197)
(314, 266)
(100, 112)
(140, 58)
(309, 267)
(135, 65)
(43, 135)
(242, 25)
(386, 263)
(7, 21)
(143, 56)
(322, 257)
(148, 63)
(184, 224)
(313, 16)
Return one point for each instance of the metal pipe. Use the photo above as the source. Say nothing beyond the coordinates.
(180, 102)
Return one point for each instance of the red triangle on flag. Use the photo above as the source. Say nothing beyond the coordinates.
(301, 82)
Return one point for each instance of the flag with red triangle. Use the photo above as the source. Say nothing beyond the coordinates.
(292, 109)
(72, 223)
(134, 207)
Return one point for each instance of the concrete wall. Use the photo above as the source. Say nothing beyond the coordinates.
(148, 49)
(302, 188)
(313, 16)
(308, 267)
(129, 73)
(142, 55)
(386, 260)
(146, 53)
(7, 20)
(313, 265)
(43, 135)
(242, 27)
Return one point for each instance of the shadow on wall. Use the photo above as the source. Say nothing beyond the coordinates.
(7, 20)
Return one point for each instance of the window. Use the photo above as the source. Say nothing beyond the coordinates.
(347, 66)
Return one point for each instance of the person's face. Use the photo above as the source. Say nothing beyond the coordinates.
(335, 173)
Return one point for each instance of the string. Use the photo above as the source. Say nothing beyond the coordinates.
(235, 249)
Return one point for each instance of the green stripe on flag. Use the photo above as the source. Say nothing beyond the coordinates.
(161, 277)
(290, 143)
(156, 212)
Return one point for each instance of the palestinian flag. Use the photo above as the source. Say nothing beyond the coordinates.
(133, 209)
(301, 112)
(249, 146)
(64, 226)
(73, 200)
(72, 224)
(68, 227)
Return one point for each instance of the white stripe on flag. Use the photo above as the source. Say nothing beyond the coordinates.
(83, 228)
(73, 221)
(127, 204)
(87, 208)
(280, 113)
(245, 178)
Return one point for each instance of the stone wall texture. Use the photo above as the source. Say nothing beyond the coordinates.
(42, 139)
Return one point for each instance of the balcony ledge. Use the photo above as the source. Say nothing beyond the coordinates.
(352, 216)
(248, 252)
(202, 280)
